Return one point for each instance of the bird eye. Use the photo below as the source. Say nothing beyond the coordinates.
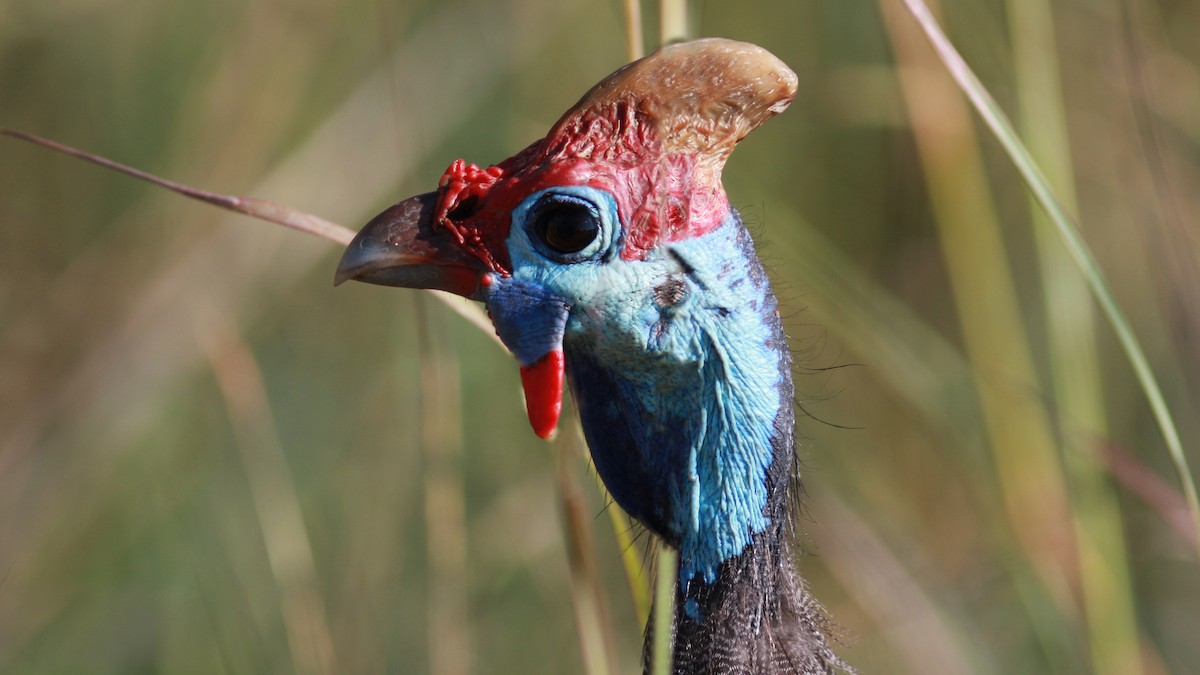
(567, 226)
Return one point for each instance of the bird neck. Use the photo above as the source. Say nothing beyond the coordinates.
(757, 617)
(686, 400)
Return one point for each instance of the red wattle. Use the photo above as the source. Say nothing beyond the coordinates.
(543, 383)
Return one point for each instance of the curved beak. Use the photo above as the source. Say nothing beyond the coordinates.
(399, 248)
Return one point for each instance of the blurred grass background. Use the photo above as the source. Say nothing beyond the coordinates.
(213, 461)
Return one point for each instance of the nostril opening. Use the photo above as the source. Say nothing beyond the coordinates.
(465, 209)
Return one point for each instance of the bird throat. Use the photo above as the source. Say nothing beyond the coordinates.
(693, 433)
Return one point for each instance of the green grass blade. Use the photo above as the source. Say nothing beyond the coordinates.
(664, 608)
(1105, 583)
(1003, 130)
(593, 624)
(631, 561)
(1025, 463)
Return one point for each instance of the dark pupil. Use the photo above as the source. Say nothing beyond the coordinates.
(567, 228)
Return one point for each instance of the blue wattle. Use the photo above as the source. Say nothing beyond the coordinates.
(528, 317)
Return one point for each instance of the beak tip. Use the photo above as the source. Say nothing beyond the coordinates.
(352, 264)
(399, 248)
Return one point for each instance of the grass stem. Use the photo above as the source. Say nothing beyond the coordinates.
(634, 42)
(664, 607)
(673, 21)
(1105, 583)
(1003, 130)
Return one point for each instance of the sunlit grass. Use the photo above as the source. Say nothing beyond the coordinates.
(131, 531)
(1069, 231)
(1072, 344)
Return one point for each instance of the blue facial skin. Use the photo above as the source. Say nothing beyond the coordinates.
(677, 364)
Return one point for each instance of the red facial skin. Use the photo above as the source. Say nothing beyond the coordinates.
(655, 135)
(661, 196)
(611, 150)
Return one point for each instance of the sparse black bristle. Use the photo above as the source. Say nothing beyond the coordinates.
(756, 618)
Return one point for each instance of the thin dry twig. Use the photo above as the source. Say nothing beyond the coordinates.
(250, 206)
(256, 208)
(633, 30)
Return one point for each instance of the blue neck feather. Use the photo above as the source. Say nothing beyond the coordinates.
(692, 431)
(681, 373)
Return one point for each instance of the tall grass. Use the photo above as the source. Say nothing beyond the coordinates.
(961, 504)
(1075, 375)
